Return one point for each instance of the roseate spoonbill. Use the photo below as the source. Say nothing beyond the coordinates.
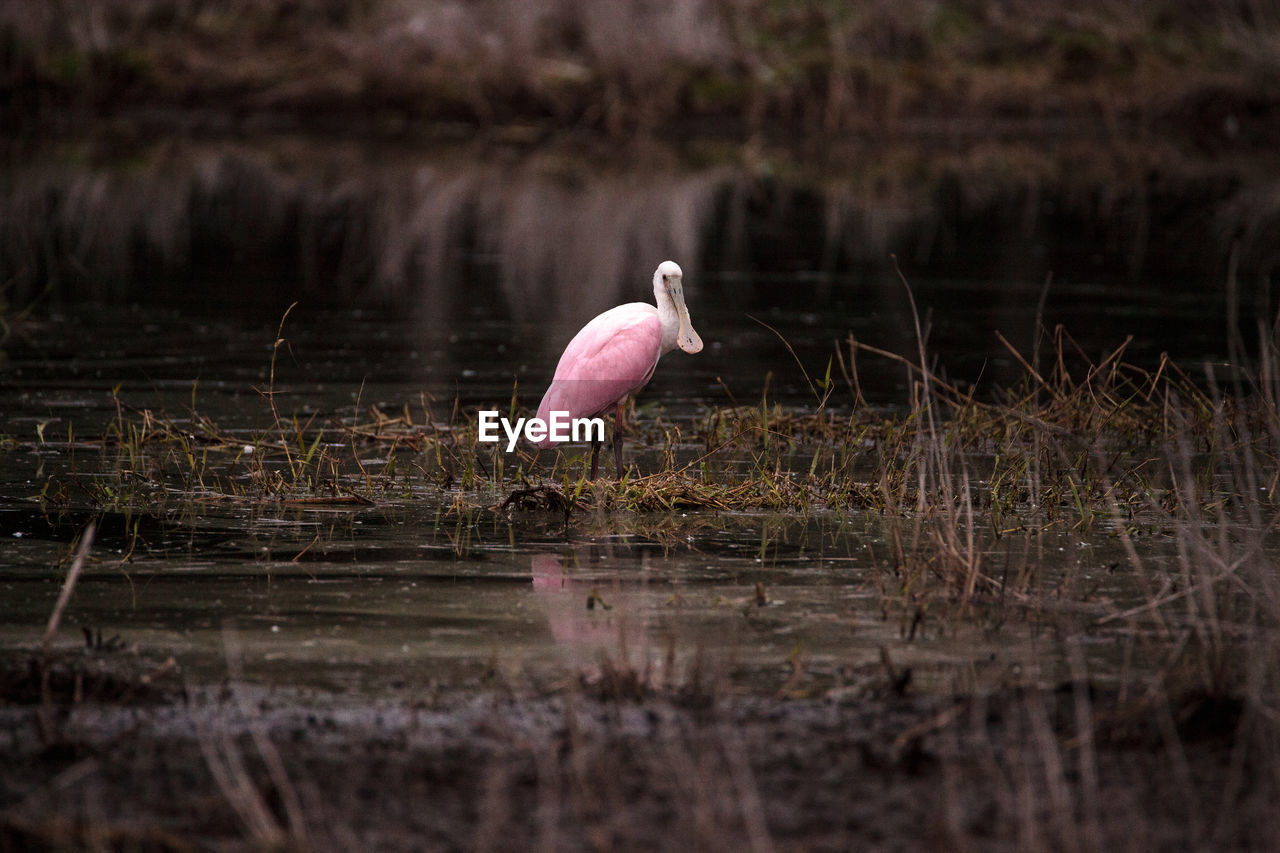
(615, 354)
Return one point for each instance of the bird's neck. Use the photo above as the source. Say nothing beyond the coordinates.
(668, 317)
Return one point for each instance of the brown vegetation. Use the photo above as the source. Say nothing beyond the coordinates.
(739, 68)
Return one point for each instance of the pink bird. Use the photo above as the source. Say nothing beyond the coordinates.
(615, 355)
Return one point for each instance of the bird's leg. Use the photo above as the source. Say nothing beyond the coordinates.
(617, 437)
(595, 459)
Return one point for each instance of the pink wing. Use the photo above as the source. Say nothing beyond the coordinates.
(613, 356)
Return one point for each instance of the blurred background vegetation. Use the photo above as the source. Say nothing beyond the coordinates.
(813, 72)
(371, 143)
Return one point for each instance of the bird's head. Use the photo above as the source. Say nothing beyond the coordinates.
(669, 279)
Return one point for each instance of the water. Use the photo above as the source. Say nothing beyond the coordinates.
(412, 591)
(339, 358)
(404, 596)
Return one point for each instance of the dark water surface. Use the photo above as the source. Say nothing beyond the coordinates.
(411, 593)
(407, 595)
(772, 331)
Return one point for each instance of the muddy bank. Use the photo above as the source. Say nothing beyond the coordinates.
(608, 764)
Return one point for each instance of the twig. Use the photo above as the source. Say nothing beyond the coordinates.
(1035, 374)
(270, 393)
(235, 782)
(822, 399)
(170, 664)
(68, 586)
(919, 730)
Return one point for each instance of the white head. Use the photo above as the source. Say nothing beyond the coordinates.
(668, 281)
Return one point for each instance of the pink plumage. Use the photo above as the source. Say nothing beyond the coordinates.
(615, 354)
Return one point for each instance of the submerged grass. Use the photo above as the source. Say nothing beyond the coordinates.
(1077, 441)
(1083, 439)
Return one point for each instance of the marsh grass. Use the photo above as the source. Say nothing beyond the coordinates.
(1078, 442)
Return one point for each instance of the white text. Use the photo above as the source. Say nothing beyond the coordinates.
(558, 427)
